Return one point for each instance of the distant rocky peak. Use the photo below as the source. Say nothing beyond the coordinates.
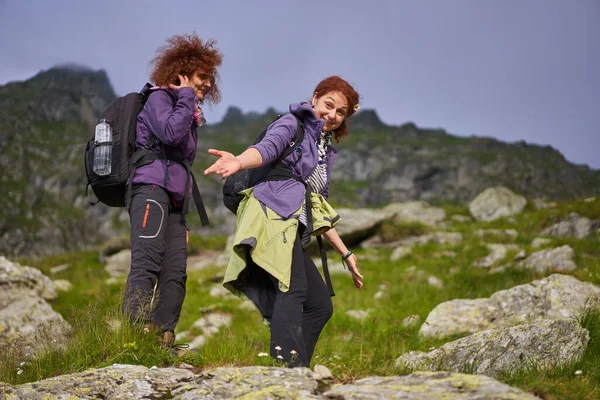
(74, 78)
(366, 119)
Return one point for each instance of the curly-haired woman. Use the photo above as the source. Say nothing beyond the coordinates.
(269, 265)
(185, 69)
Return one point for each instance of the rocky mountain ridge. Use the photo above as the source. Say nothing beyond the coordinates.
(49, 118)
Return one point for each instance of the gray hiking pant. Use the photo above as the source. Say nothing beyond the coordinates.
(158, 256)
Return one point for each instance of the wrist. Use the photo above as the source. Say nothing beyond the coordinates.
(240, 161)
(346, 255)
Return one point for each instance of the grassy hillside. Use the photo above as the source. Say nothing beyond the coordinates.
(350, 348)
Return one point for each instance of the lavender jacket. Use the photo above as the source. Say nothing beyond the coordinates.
(286, 197)
(169, 115)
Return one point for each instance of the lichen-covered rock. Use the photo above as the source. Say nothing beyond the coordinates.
(500, 233)
(555, 297)
(451, 238)
(494, 203)
(544, 345)
(559, 259)
(250, 383)
(113, 246)
(357, 225)
(428, 386)
(573, 226)
(114, 382)
(27, 323)
(416, 211)
(118, 264)
(497, 253)
(62, 285)
(138, 382)
(16, 276)
(459, 316)
(540, 242)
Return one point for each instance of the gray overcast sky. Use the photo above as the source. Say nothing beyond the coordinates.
(514, 69)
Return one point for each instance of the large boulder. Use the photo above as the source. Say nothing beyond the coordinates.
(573, 226)
(114, 382)
(543, 345)
(250, 383)
(27, 322)
(428, 386)
(494, 203)
(355, 226)
(415, 211)
(555, 297)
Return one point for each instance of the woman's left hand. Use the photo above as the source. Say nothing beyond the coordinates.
(352, 263)
(226, 165)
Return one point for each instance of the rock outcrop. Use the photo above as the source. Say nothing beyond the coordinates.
(494, 203)
(137, 382)
(555, 297)
(543, 345)
(28, 324)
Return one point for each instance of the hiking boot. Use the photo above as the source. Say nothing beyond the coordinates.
(167, 339)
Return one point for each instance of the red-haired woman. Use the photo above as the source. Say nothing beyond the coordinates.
(185, 68)
(269, 265)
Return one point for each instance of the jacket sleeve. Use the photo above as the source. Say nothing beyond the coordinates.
(278, 137)
(171, 125)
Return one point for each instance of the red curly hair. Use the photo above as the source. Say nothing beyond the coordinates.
(336, 84)
(187, 55)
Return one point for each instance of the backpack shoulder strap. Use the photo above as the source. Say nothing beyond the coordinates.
(298, 138)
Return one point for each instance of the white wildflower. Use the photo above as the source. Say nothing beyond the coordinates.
(19, 371)
(293, 352)
(578, 372)
(277, 348)
(262, 354)
(22, 363)
(280, 357)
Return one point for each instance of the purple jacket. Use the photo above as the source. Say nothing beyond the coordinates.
(169, 115)
(286, 197)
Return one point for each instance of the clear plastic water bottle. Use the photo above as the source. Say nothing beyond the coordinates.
(103, 150)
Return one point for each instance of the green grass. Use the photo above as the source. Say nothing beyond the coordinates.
(352, 349)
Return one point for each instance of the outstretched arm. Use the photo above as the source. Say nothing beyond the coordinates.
(336, 242)
(228, 164)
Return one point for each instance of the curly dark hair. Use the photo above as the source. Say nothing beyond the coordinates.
(187, 55)
(336, 84)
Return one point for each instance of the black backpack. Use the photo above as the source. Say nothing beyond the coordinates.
(114, 189)
(276, 171)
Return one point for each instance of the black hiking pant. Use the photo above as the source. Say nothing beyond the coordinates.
(158, 257)
(300, 314)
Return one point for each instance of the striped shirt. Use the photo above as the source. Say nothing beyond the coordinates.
(318, 179)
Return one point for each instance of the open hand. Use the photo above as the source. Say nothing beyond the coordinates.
(184, 81)
(226, 165)
(352, 263)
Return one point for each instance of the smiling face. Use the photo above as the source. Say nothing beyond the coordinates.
(332, 107)
(201, 83)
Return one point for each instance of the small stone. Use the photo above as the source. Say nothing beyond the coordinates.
(322, 372)
(520, 255)
(62, 285)
(435, 282)
(357, 314)
(399, 253)
(411, 321)
(59, 268)
(540, 242)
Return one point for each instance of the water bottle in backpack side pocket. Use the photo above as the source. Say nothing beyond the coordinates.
(103, 148)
